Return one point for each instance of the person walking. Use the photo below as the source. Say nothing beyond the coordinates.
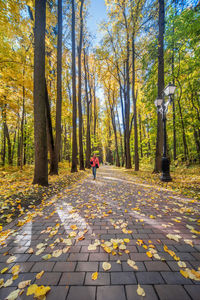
(94, 162)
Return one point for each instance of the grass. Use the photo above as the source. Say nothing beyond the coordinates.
(185, 179)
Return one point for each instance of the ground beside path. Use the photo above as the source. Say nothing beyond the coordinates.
(149, 237)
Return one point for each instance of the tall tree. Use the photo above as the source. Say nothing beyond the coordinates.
(81, 157)
(159, 141)
(59, 87)
(74, 112)
(40, 137)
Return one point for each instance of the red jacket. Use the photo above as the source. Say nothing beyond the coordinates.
(94, 161)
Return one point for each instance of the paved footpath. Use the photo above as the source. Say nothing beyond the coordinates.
(148, 235)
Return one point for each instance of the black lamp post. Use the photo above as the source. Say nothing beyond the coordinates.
(162, 107)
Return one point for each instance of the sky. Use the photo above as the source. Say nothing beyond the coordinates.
(97, 14)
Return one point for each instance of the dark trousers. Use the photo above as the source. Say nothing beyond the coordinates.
(94, 171)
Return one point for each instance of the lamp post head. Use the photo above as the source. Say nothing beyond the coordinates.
(158, 102)
(170, 89)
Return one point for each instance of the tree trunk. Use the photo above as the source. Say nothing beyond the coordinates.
(50, 139)
(22, 125)
(159, 141)
(140, 131)
(59, 89)
(74, 108)
(134, 105)
(81, 157)
(40, 136)
(9, 144)
(88, 140)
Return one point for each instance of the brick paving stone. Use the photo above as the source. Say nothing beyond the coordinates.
(49, 278)
(98, 257)
(72, 278)
(156, 266)
(123, 278)
(78, 257)
(110, 293)
(131, 292)
(175, 278)
(149, 278)
(64, 266)
(15, 250)
(171, 292)
(139, 264)
(82, 293)
(193, 291)
(103, 279)
(139, 256)
(58, 292)
(85, 249)
(88, 266)
(45, 266)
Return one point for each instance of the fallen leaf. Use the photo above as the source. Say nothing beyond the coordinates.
(57, 253)
(4, 270)
(13, 295)
(8, 282)
(94, 276)
(39, 275)
(140, 291)
(11, 259)
(24, 284)
(106, 266)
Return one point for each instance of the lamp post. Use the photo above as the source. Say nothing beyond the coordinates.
(162, 107)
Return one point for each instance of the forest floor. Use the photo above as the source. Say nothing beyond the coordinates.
(185, 179)
(115, 238)
(17, 193)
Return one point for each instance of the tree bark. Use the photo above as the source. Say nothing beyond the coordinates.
(50, 139)
(40, 136)
(59, 89)
(88, 140)
(74, 106)
(81, 157)
(159, 141)
(134, 105)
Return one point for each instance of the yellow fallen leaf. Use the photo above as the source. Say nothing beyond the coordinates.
(132, 264)
(73, 227)
(94, 276)
(31, 289)
(57, 253)
(106, 266)
(1, 282)
(107, 249)
(66, 249)
(24, 284)
(30, 251)
(149, 254)
(42, 291)
(39, 275)
(140, 291)
(8, 282)
(15, 270)
(181, 264)
(92, 247)
(11, 259)
(46, 256)
(184, 273)
(4, 270)
(126, 240)
(13, 295)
